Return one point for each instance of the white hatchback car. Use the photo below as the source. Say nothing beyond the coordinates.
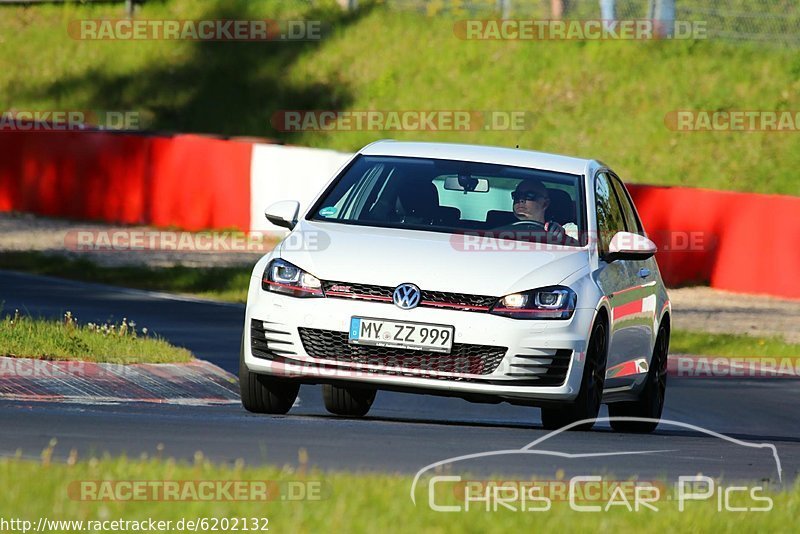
(490, 274)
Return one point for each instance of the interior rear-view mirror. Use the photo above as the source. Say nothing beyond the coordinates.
(467, 183)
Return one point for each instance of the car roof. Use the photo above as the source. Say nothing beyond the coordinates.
(479, 153)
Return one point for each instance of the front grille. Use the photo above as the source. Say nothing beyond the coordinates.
(465, 358)
(430, 299)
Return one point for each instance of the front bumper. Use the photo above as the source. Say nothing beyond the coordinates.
(305, 340)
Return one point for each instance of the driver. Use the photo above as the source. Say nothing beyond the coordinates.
(531, 200)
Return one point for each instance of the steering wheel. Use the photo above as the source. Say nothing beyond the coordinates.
(539, 225)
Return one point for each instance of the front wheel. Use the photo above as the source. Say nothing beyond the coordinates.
(263, 393)
(354, 402)
(651, 403)
(587, 403)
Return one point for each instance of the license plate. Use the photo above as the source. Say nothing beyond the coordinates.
(401, 334)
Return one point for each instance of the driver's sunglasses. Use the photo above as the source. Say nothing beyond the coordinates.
(520, 196)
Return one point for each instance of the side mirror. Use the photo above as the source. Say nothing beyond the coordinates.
(283, 213)
(628, 246)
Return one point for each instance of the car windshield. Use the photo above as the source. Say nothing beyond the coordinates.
(456, 197)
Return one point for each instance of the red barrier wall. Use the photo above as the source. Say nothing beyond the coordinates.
(736, 241)
(188, 181)
(741, 242)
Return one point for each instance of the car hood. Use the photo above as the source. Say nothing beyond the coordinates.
(431, 260)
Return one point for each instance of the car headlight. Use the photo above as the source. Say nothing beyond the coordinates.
(282, 277)
(553, 302)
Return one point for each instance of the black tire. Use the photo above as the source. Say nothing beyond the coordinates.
(651, 402)
(587, 404)
(354, 402)
(263, 393)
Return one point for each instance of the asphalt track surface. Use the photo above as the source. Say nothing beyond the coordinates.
(403, 432)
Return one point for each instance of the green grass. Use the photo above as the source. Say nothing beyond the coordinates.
(596, 99)
(122, 343)
(350, 502)
(218, 283)
(731, 345)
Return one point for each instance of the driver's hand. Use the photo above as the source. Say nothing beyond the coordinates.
(555, 233)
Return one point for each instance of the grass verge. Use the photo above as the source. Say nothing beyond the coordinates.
(219, 283)
(731, 345)
(25, 337)
(351, 502)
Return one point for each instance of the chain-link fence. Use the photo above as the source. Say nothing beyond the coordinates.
(769, 21)
(774, 21)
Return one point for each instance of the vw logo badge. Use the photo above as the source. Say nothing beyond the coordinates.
(406, 296)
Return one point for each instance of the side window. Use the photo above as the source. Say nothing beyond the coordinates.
(631, 220)
(609, 215)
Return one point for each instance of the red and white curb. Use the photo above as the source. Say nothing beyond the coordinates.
(201, 383)
(195, 383)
